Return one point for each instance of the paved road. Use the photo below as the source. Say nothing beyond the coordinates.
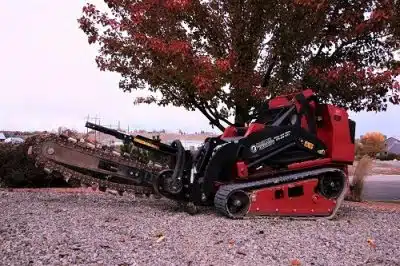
(382, 187)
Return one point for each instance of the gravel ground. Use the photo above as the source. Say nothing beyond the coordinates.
(103, 229)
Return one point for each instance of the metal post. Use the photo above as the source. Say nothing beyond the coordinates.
(87, 120)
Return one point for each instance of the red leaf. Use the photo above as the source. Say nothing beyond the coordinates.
(204, 63)
(360, 74)
(92, 39)
(139, 9)
(140, 37)
(113, 23)
(314, 4)
(223, 65)
(360, 27)
(176, 5)
(314, 71)
(295, 262)
(157, 45)
(145, 100)
(177, 47)
(333, 75)
(259, 93)
(379, 15)
(396, 71)
(203, 84)
(396, 85)
(89, 9)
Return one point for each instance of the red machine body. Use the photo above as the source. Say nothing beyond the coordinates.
(282, 200)
(332, 127)
(335, 132)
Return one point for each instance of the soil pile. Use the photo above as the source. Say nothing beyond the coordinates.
(18, 170)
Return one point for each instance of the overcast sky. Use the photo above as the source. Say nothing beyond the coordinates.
(48, 78)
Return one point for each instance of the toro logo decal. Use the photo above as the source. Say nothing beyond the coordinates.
(268, 142)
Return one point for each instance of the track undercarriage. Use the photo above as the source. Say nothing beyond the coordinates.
(274, 167)
(317, 193)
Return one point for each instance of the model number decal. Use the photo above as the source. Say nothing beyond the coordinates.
(309, 145)
(268, 142)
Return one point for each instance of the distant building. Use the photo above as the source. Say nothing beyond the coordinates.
(2, 137)
(393, 145)
(14, 140)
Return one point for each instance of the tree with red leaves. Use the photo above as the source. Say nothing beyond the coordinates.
(213, 55)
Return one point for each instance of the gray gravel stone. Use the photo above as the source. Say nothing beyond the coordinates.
(103, 229)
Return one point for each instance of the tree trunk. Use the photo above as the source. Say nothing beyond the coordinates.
(241, 115)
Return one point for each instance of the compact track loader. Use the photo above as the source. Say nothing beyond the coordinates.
(290, 161)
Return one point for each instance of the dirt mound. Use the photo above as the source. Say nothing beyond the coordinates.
(17, 170)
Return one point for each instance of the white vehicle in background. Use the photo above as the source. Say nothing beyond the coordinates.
(14, 140)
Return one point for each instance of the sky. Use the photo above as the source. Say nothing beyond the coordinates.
(49, 78)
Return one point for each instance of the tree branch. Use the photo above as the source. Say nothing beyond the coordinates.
(319, 50)
(216, 115)
(267, 75)
(340, 48)
(212, 120)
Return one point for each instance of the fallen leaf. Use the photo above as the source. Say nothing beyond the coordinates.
(161, 238)
(295, 262)
(371, 242)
